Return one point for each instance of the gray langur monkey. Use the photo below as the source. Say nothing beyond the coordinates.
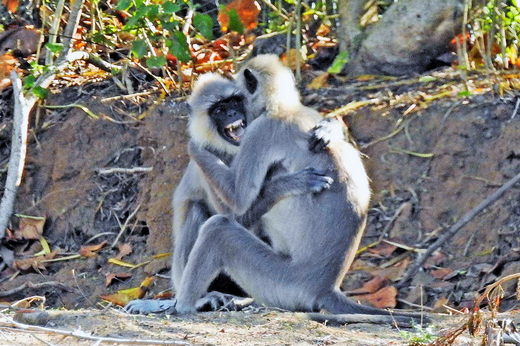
(217, 122)
(313, 237)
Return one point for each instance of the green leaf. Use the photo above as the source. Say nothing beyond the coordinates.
(170, 7)
(337, 65)
(178, 46)
(123, 5)
(139, 48)
(465, 93)
(40, 92)
(152, 12)
(204, 24)
(28, 82)
(54, 47)
(156, 61)
(427, 79)
(235, 24)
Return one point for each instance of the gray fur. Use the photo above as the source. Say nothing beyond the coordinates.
(194, 200)
(313, 236)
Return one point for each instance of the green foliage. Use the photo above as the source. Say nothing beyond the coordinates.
(235, 24)
(40, 92)
(55, 48)
(337, 65)
(204, 24)
(178, 46)
(156, 61)
(500, 21)
(419, 335)
(139, 48)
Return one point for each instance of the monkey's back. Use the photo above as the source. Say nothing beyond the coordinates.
(315, 227)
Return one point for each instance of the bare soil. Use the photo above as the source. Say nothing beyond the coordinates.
(428, 166)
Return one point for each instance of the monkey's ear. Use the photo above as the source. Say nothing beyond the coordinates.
(251, 81)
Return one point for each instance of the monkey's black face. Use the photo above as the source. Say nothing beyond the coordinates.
(229, 117)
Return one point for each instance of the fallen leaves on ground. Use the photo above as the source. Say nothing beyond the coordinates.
(247, 11)
(123, 297)
(124, 249)
(34, 262)
(371, 286)
(109, 277)
(90, 250)
(383, 298)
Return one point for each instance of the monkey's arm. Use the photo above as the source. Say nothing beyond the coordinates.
(327, 131)
(221, 180)
(283, 186)
(218, 175)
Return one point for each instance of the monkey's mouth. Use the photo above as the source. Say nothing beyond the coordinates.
(235, 131)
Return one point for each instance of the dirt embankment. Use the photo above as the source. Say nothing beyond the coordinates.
(427, 167)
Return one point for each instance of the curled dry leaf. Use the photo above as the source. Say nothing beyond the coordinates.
(319, 82)
(31, 228)
(90, 250)
(441, 273)
(109, 277)
(124, 249)
(384, 298)
(383, 249)
(370, 286)
(123, 297)
(33, 262)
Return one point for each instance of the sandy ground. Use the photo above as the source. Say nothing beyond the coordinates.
(225, 328)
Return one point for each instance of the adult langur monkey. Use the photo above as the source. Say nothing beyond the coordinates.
(313, 237)
(217, 122)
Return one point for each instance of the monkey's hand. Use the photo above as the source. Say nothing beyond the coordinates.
(151, 306)
(310, 180)
(325, 132)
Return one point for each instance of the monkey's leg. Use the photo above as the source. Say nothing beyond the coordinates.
(185, 238)
(224, 245)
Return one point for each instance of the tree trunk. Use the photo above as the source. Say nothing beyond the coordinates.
(411, 34)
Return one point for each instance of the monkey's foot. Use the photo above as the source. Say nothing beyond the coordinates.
(151, 306)
(216, 301)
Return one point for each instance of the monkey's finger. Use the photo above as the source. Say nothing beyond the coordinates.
(317, 144)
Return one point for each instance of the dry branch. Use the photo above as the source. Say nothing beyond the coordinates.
(422, 257)
(22, 107)
(10, 323)
(353, 318)
(25, 285)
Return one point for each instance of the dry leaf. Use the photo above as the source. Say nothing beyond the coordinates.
(383, 249)
(123, 297)
(319, 82)
(31, 228)
(441, 273)
(90, 250)
(438, 306)
(109, 277)
(163, 295)
(33, 262)
(247, 10)
(434, 260)
(393, 273)
(371, 286)
(384, 298)
(12, 5)
(124, 249)
(290, 59)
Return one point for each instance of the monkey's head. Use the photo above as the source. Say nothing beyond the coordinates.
(269, 85)
(218, 113)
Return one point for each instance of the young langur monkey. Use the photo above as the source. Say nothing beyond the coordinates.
(218, 119)
(313, 237)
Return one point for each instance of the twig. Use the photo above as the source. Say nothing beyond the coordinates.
(10, 323)
(72, 25)
(122, 97)
(53, 33)
(298, 14)
(132, 170)
(352, 318)
(494, 285)
(421, 258)
(123, 228)
(22, 107)
(25, 285)
(516, 108)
